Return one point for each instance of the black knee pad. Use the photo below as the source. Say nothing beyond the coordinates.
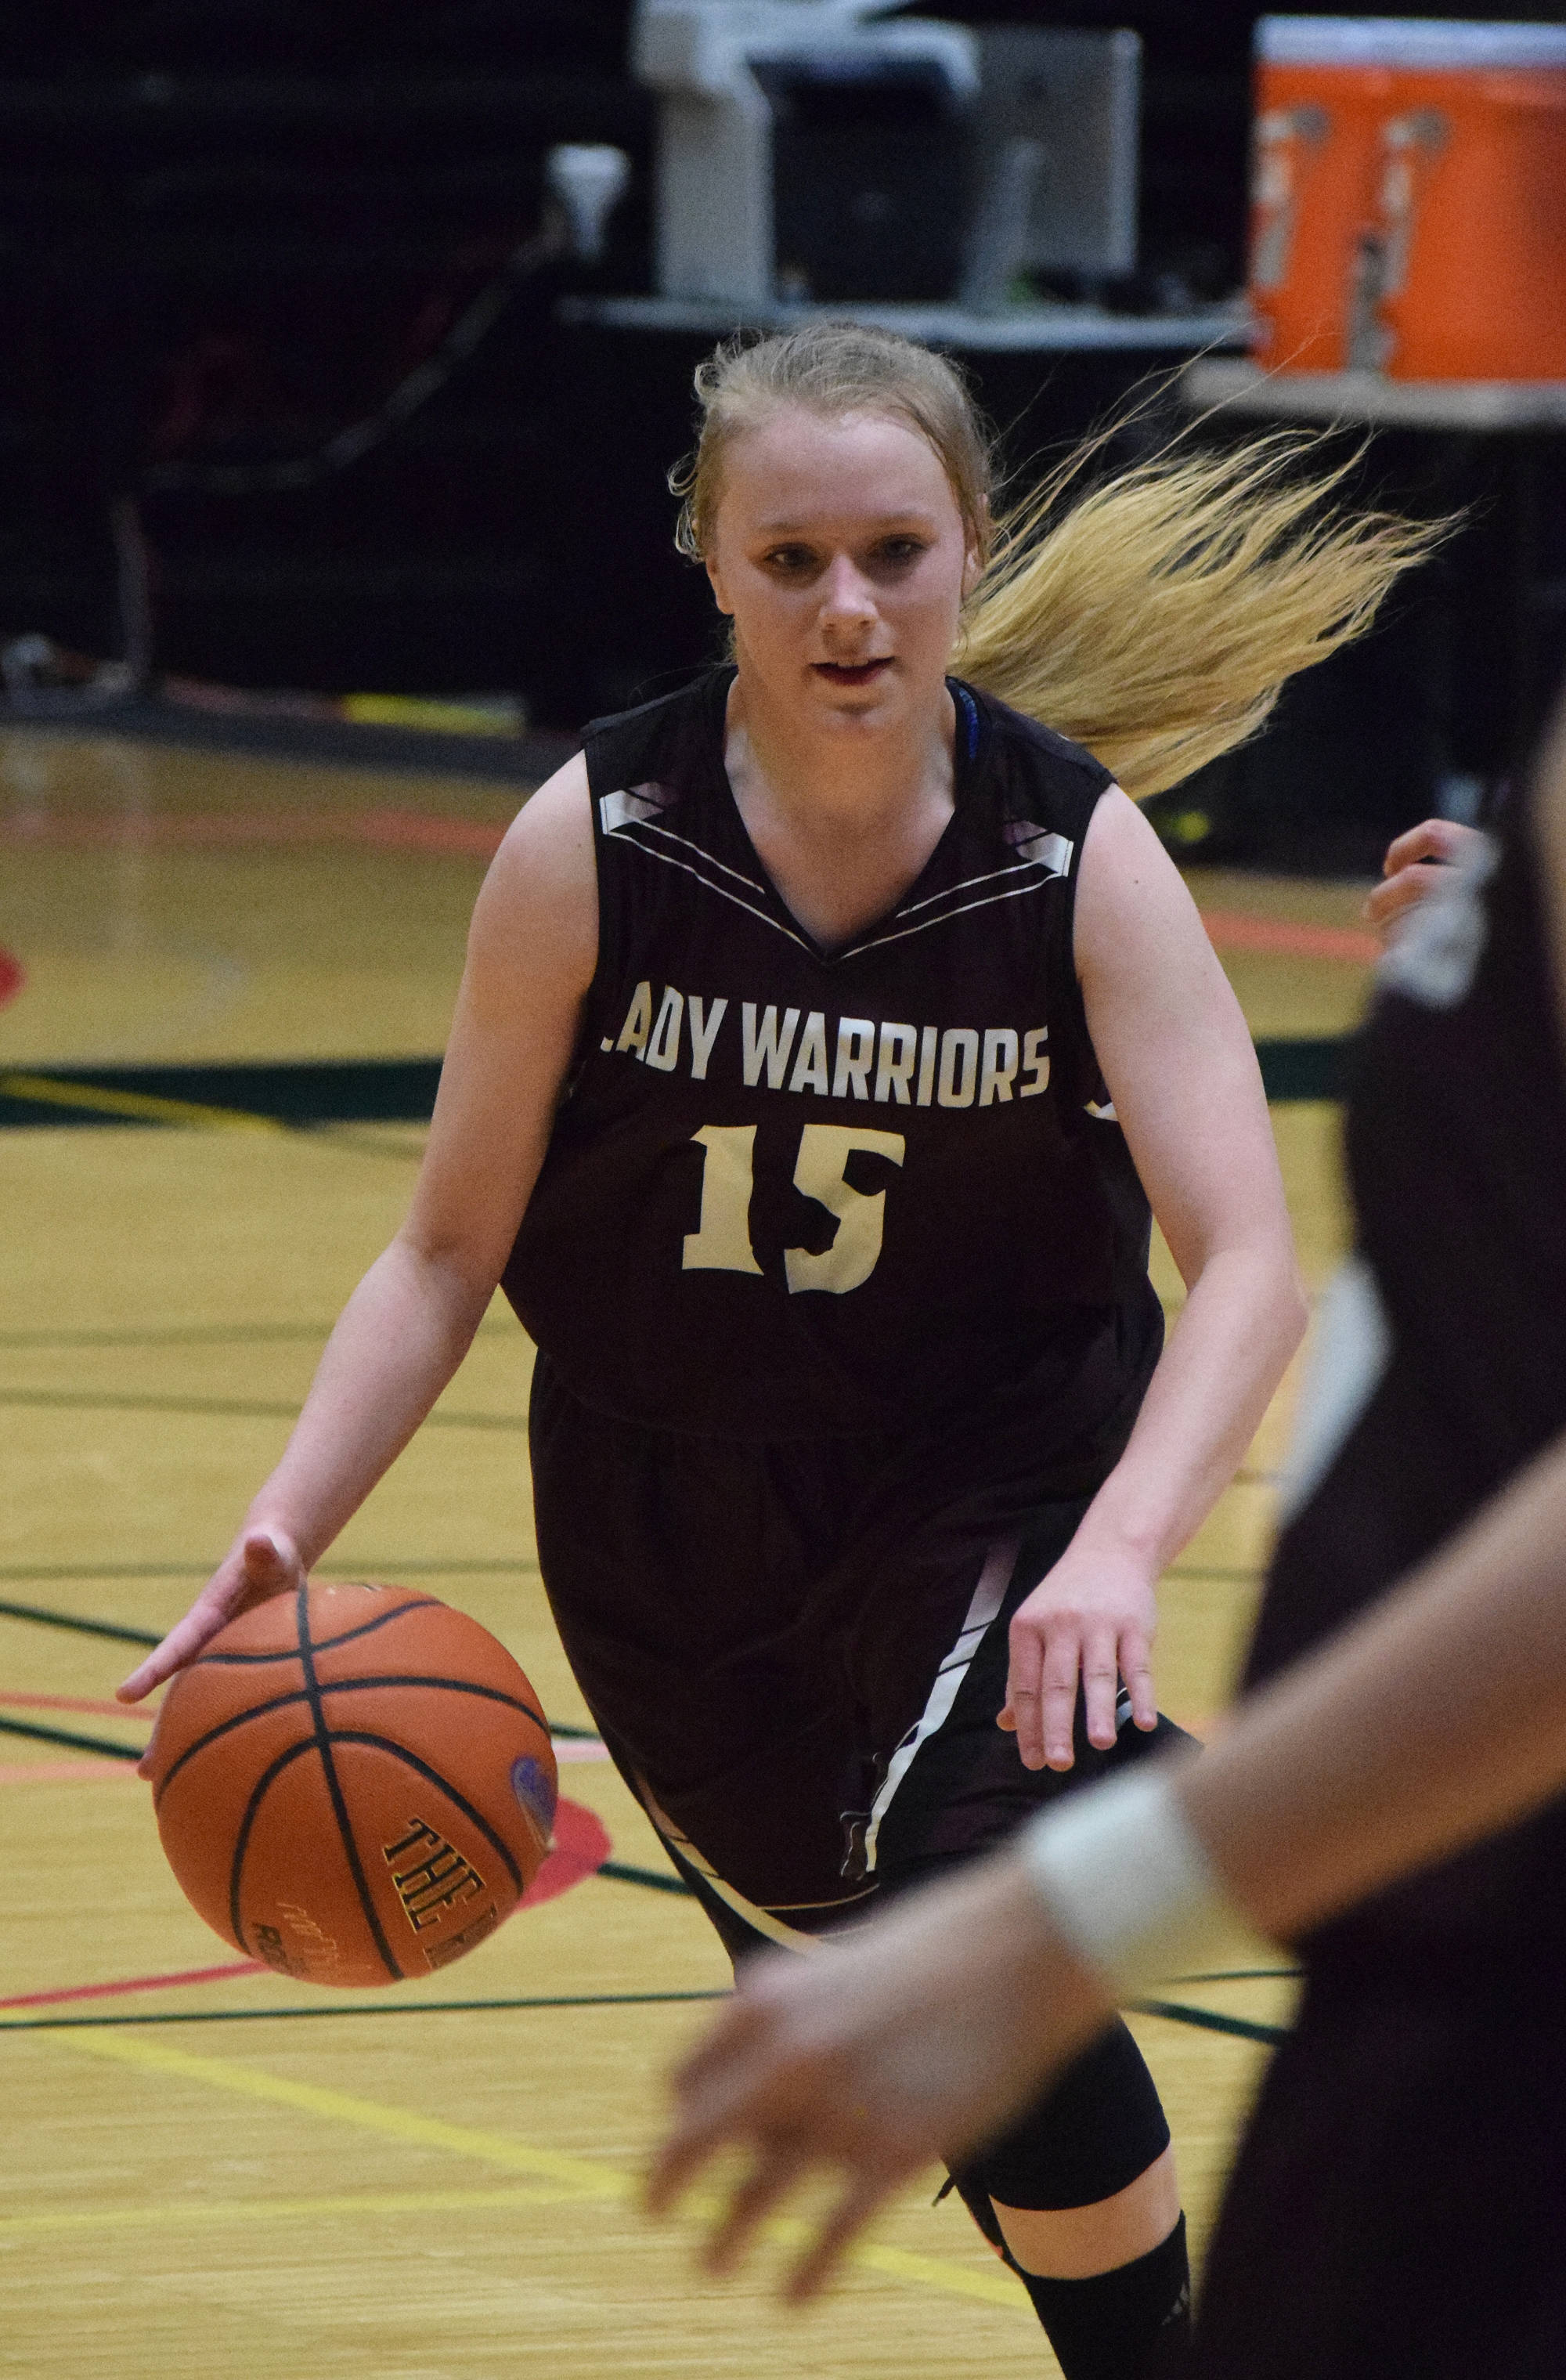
(1089, 2136)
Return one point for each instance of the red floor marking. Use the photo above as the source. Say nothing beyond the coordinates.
(11, 978)
(377, 830)
(136, 1983)
(1232, 929)
(581, 1846)
(569, 1748)
(75, 1703)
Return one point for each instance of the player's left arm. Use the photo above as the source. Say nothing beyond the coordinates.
(1178, 1061)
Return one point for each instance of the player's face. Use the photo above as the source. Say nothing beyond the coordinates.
(840, 555)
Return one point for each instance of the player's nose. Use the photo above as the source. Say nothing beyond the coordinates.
(846, 593)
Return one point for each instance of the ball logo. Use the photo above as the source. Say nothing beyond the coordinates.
(534, 1789)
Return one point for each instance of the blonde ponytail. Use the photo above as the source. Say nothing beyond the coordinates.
(1155, 617)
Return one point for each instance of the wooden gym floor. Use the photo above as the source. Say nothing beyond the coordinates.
(208, 2170)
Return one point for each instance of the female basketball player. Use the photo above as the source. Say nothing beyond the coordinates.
(827, 1029)
(1396, 2208)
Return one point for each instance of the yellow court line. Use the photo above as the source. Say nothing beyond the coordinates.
(136, 1105)
(577, 2176)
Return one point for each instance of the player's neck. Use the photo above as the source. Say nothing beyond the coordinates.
(843, 821)
(842, 778)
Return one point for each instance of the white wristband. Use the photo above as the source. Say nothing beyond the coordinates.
(1127, 1881)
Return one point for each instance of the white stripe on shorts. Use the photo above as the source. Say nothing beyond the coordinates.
(987, 1596)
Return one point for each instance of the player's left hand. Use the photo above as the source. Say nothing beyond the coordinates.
(1094, 1616)
(915, 2038)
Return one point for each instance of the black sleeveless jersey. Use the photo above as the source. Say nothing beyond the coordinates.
(1440, 1368)
(793, 1192)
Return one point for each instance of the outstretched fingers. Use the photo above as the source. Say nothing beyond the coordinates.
(836, 2232)
(264, 1564)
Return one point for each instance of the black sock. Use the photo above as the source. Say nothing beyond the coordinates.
(1132, 2323)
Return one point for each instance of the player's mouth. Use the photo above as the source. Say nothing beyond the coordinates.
(852, 672)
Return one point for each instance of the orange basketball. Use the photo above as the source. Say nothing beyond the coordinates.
(354, 1783)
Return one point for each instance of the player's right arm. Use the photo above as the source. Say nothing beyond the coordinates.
(532, 951)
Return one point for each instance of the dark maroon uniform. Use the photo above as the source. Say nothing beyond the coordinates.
(1399, 2207)
(838, 1273)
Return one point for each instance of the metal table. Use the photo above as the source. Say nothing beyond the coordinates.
(1366, 399)
(1016, 330)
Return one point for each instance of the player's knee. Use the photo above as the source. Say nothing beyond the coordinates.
(1090, 2137)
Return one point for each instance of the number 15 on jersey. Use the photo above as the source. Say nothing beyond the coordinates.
(722, 1241)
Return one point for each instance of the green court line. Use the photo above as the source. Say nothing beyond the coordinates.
(85, 1627)
(298, 1092)
(75, 1743)
(1209, 2020)
(216, 1408)
(379, 1565)
(1244, 1975)
(1205, 2019)
(305, 1092)
(109, 1106)
(381, 2007)
(651, 1877)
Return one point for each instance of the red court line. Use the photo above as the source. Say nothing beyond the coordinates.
(11, 976)
(581, 1846)
(74, 1703)
(135, 1983)
(377, 830)
(1233, 929)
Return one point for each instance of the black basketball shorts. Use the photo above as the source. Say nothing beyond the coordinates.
(797, 1655)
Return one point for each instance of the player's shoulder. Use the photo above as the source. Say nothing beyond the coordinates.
(1035, 771)
(661, 739)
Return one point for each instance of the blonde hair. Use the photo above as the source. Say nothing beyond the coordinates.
(1155, 617)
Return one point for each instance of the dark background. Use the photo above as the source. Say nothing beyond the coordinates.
(227, 227)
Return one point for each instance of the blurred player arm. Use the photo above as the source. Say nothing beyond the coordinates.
(531, 953)
(1437, 1718)
(1183, 1073)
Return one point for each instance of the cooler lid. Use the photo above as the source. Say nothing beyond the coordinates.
(1429, 42)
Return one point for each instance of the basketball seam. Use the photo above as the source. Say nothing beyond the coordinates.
(333, 1784)
(339, 1687)
(258, 1795)
(327, 1644)
(411, 1760)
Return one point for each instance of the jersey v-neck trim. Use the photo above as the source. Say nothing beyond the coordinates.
(890, 925)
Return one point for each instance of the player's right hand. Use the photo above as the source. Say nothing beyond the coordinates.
(261, 1562)
(1408, 875)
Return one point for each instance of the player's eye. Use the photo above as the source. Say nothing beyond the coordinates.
(789, 560)
(899, 552)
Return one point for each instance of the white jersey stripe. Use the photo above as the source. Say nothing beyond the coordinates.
(651, 826)
(1038, 885)
(722, 890)
(951, 891)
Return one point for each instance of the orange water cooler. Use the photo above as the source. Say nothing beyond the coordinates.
(1409, 197)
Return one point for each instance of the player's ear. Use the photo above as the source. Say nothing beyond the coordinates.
(715, 580)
